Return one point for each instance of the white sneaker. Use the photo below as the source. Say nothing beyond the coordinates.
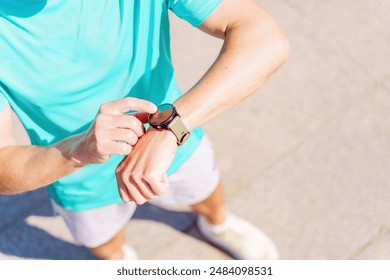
(129, 253)
(242, 240)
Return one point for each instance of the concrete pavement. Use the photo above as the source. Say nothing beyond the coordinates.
(313, 147)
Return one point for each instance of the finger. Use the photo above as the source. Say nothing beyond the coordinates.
(127, 191)
(125, 135)
(143, 187)
(158, 185)
(126, 104)
(121, 178)
(118, 148)
(123, 193)
(135, 194)
(128, 122)
(165, 180)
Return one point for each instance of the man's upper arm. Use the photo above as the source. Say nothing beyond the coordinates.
(6, 136)
(233, 13)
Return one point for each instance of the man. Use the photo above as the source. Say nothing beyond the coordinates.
(85, 76)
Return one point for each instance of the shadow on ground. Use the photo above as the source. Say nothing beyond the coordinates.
(22, 240)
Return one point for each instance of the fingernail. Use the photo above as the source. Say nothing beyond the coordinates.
(153, 107)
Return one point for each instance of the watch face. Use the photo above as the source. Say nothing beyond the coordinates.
(164, 111)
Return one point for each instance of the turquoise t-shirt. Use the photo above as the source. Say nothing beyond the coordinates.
(60, 60)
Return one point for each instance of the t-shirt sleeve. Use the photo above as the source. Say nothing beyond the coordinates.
(193, 11)
(3, 102)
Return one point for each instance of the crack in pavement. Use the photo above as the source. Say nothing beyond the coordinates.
(384, 230)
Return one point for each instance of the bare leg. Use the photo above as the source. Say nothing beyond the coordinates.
(213, 207)
(111, 250)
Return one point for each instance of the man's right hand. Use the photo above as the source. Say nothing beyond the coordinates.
(112, 132)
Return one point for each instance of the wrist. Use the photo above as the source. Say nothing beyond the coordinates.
(70, 150)
(165, 134)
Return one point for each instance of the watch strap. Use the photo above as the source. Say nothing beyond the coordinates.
(179, 129)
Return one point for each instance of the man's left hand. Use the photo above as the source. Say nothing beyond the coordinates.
(142, 174)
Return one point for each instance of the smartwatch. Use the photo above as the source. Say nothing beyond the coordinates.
(168, 118)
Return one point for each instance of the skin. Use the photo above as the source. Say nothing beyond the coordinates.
(93, 146)
(252, 42)
(213, 208)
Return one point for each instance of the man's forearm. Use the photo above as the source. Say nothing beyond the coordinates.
(251, 53)
(25, 168)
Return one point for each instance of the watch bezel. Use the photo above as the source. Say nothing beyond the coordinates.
(164, 124)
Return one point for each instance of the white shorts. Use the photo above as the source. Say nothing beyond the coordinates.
(194, 181)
